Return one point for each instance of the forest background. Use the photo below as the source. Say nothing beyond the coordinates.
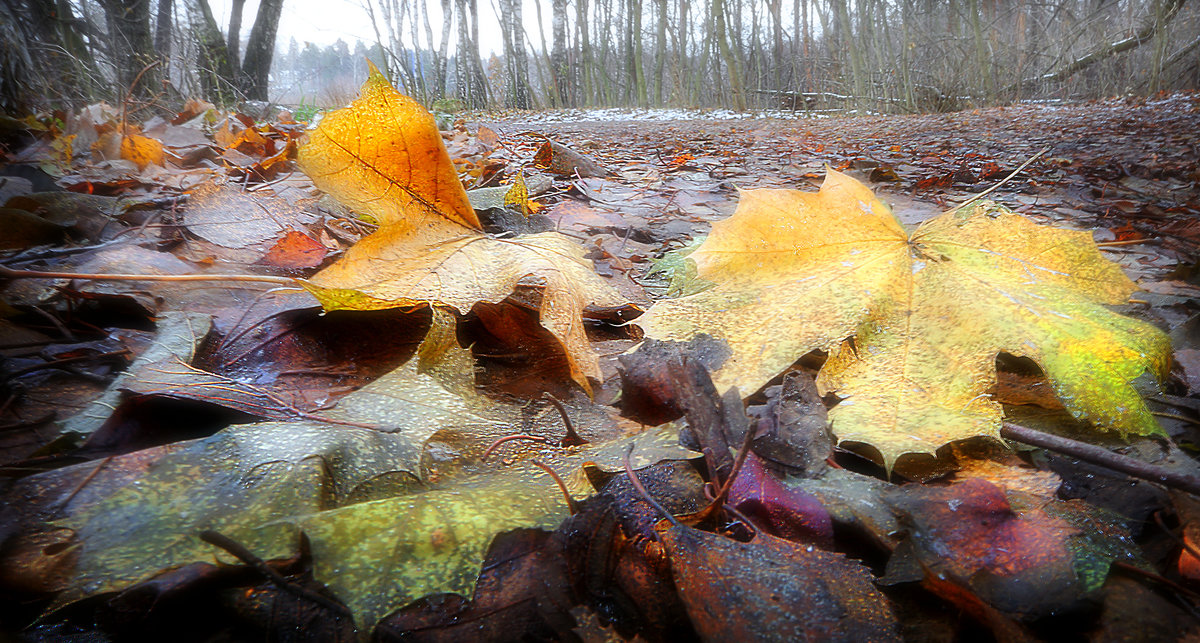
(883, 56)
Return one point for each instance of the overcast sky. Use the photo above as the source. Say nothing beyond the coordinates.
(322, 22)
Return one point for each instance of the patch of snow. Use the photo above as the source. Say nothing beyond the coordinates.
(657, 115)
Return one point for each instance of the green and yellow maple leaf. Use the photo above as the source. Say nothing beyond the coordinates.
(913, 322)
(383, 156)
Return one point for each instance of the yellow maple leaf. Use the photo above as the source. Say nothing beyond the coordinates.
(384, 157)
(913, 322)
(518, 195)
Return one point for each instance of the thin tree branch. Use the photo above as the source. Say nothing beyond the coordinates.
(1100, 456)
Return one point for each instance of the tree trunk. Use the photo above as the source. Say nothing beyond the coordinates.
(233, 44)
(517, 60)
(162, 29)
(776, 10)
(132, 46)
(559, 71)
(846, 31)
(586, 55)
(638, 73)
(660, 51)
(731, 62)
(444, 47)
(217, 81)
(472, 84)
(256, 68)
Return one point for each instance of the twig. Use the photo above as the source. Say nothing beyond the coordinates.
(1127, 242)
(1002, 182)
(66, 332)
(1102, 457)
(637, 484)
(235, 549)
(83, 483)
(1175, 416)
(1181, 541)
(40, 274)
(1158, 578)
(62, 361)
(737, 468)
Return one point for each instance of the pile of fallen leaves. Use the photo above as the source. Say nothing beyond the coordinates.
(272, 380)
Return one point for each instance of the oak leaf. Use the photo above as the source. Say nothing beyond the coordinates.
(913, 322)
(383, 156)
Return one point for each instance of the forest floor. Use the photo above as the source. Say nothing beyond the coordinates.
(132, 413)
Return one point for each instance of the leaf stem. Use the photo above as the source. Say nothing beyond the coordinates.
(1100, 456)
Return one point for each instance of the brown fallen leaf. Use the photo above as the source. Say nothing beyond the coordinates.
(772, 589)
(564, 161)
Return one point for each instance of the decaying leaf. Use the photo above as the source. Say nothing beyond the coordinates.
(378, 556)
(774, 589)
(1022, 555)
(178, 336)
(383, 156)
(913, 322)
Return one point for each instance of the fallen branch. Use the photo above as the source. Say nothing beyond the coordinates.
(1100, 456)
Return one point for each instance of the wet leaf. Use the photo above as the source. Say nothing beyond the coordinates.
(1028, 557)
(24, 229)
(142, 150)
(295, 250)
(564, 161)
(774, 589)
(177, 338)
(779, 510)
(378, 556)
(384, 156)
(913, 322)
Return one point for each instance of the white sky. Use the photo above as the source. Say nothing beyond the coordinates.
(322, 22)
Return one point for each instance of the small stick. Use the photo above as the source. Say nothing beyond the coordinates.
(637, 484)
(1181, 541)
(1002, 182)
(41, 274)
(737, 468)
(61, 361)
(1102, 457)
(83, 483)
(1158, 578)
(1127, 242)
(235, 549)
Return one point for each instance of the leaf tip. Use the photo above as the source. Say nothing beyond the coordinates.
(373, 72)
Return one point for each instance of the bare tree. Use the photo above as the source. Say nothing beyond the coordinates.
(233, 38)
(260, 49)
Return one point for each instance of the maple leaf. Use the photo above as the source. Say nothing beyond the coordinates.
(384, 157)
(913, 322)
